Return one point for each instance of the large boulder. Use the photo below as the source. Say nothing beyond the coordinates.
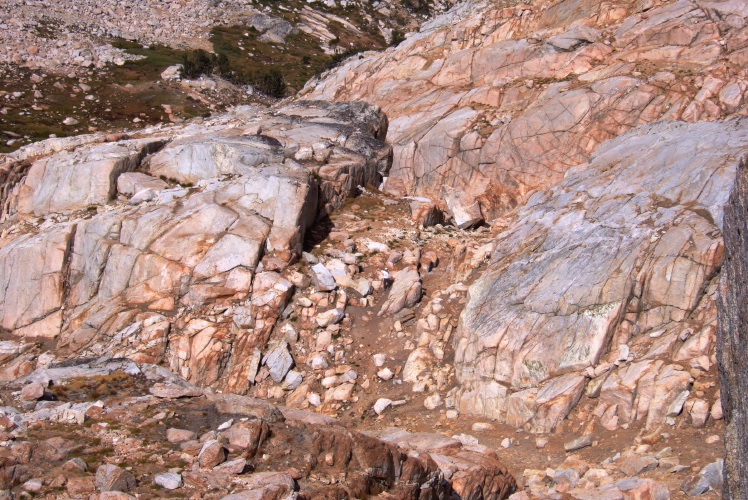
(624, 247)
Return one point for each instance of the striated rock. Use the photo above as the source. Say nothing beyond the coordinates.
(540, 291)
(732, 338)
(278, 361)
(71, 181)
(575, 36)
(130, 183)
(113, 478)
(207, 156)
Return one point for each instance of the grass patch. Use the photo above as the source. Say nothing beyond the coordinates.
(93, 388)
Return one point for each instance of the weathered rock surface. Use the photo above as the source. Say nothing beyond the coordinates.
(405, 292)
(255, 456)
(139, 281)
(731, 338)
(494, 101)
(624, 252)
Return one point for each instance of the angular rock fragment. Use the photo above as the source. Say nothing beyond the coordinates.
(405, 292)
(112, 478)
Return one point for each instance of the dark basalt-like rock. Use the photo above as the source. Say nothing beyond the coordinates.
(732, 338)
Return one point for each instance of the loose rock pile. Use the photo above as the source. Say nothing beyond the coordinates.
(214, 446)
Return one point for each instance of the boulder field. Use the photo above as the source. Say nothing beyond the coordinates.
(521, 214)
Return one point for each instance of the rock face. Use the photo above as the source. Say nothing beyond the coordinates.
(616, 269)
(731, 338)
(496, 101)
(139, 279)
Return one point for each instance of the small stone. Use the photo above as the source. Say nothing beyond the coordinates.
(432, 402)
(232, 467)
(211, 454)
(541, 442)
(70, 121)
(115, 495)
(331, 317)
(174, 435)
(712, 439)
(318, 362)
(385, 374)
(278, 362)
(636, 464)
(342, 392)
(293, 380)
(676, 407)
(452, 414)
(699, 412)
(171, 391)
(32, 392)
(322, 279)
(578, 443)
(76, 463)
(379, 360)
(506, 443)
(80, 485)
(32, 485)
(381, 405)
(314, 399)
(112, 478)
(168, 480)
(483, 426)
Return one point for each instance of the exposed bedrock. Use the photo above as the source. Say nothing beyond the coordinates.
(495, 102)
(183, 270)
(605, 284)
